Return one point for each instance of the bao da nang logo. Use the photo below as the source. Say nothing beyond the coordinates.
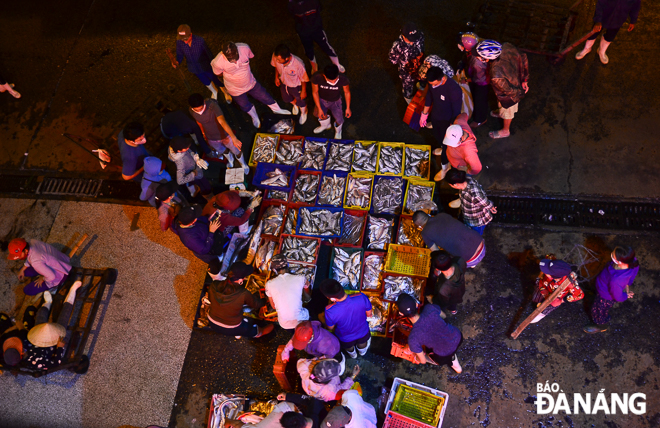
(552, 399)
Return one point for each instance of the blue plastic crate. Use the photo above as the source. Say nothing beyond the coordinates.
(331, 173)
(344, 142)
(331, 209)
(404, 186)
(265, 168)
(316, 140)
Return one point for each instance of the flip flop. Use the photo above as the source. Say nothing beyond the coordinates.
(497, 134)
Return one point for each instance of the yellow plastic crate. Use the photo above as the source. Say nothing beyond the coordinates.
(365, 144)
(371, 189)
(406, 260)
(416, 181)
(254, 145)
(417, 147)
(403, 150)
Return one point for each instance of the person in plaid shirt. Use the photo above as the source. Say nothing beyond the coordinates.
(478, 210)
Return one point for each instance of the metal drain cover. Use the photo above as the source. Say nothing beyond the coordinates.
(70, 187)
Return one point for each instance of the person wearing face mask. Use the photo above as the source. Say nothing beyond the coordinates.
(612, 285)
(233, 63)
(326, 90)
(291, 77)
(189, 167)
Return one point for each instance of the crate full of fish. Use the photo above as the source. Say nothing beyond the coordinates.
(357, 195)
(365, 156)
(346, 267)
(289, 149)
(352, 232)
(291, 221)
(331, 190)
(277, 195)
(274, 177)
(272, 215)
(306, 187)
(417, 161)
(406, 260)
(409, 234)
(263, 149)
(380, 310)
(265, 251)
(388, 194)
(300, 248)
(315, 151)
(395, 284)
(256, 282)
(372, 272)
(320, 222)
(380, 231)
(390, 158)
(340, 155)
(418, 193)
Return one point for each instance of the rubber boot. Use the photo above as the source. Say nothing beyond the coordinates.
(255, 118)
(441, 174)
(303, 115)
(214, 91)
(335, 61)
(276, 109)
(230, 159)
(246, 168)
(456, 365)
(364, 350)
(352, 354)
(585, 50)
(295, 110)
(456, 203)
(604, 44)
(325, 124)
(338, 131)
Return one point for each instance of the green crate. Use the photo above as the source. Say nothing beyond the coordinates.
(418, 405)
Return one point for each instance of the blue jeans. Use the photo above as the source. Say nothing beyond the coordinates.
(478, 229)
(258, 92)
(208, 77)
(335, 108)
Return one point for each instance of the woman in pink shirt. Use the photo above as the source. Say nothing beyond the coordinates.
(462, 147)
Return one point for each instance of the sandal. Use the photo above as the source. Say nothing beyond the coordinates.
(498, 134)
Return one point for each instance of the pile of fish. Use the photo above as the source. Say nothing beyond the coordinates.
(276, 178)
(255, 283)
(365, 156)
(314, 155)
(388, 195)
(380, 232)
(332, 190)
(264, 149)
(346, 268)
(264, 254)
(278, 195)
(339, 158)
(409, 234)
(273, 218)
(307, 271)
(395, 285)
(417, 195)
(358, 191)
(298, 249)
(291, 221)
(255, 238)
(390, 160)
(352, 230)
(417, 162)
(378, 319)
(320, 222)
(373, 266)
(306, 187)
(289, 152)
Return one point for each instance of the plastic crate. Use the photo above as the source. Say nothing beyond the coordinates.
(387, 305)
(417, 182)
(395, 221)
(312, 209)
(315, 140)
(330, 174)
(403, 151)
(342, 142)
(372, 291)
(371, 188)
(417, 147)
(289, 211)
(287, 137)
(350, 252)
(355, 213)
(268, 196)
(262, 240)
(254, 146)
(293, 189)
(418, 402)
(378, 178)
(416, 279)
(408, 219)
(365, 144)
(408, 260)
(285, 236)
(265, 168)
(262, 210)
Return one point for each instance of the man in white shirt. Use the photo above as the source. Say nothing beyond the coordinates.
(291, 77)
(233, 63)
(285, 294)
(352, 412)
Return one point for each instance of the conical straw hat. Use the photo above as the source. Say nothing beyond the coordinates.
(46, 334)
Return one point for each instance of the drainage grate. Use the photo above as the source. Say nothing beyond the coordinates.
(70, 187)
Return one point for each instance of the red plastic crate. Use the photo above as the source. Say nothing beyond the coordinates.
(379, 290)
(395, 420)
(267, 203)
(287, 137)
(355, 213)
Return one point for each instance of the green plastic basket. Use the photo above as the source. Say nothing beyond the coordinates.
(418, 405)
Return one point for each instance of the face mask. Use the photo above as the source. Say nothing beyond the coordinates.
(203, 110)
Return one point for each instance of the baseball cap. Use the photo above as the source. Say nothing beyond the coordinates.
(411, 32)
(228, 200)
(15, 248)
(239, 270)
(555, 268)
(303, 334)
(189, 214)
(453, 136)
(325, 370)
(407, 304)
(338, 417)
(183, 32)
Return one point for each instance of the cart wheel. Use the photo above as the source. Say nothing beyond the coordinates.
(82, 366)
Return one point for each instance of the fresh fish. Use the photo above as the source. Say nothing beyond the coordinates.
(365, 156)
(291, 219)
(306, 187)
(409, 234)
(340, 157)
(320, 222)
(358, 192)
(276, 178)
(371, 275)
(395, 285)
(388, 195)
(351, 233)
(255, 283)
(390, 160)
(416, 196)
(255, 238)
(264, 149)
(314, 155)
(264, 254)
(417, 162)
(300, 249)
(283, 126)
(273, 218)
(278, 195)
(289, 152)
(332, 190)
(307, 271)
(346, 268)
(380, 232)
(378, 319)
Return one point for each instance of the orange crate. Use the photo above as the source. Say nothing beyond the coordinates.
(279, 369)
(406, 260)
